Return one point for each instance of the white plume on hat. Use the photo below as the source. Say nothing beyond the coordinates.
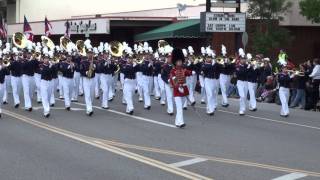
(156, 55)
(185, 53)
(129, 51)
(58, 48)
(140, 49)
(241, 52)
(38, 49)
(135, 48)
(100, 47)
(50, 53)
(150, 50)
(5, 51)
(223, 50)
(146, 47)
(15, 50)
(168, 49)
(249, 56)
(209, 51)
(45, 50)
(87, 44)
(106, 47)
(8, 47)
(190, 50)
(161, 50)
(95, 50)
(203, 51)
(0, 43)
(69, 48)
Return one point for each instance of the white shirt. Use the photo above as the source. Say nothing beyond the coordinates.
(315, 72)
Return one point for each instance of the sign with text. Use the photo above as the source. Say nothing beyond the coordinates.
(77, 26)
(223, 22)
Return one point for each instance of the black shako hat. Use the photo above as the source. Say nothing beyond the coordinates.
(176, 55)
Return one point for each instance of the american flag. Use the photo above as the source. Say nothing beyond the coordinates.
(3, 29)
(47, 27)
(27, 29)
(67, 33)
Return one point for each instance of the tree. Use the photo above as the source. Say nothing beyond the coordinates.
(269, 35)
(311, 10)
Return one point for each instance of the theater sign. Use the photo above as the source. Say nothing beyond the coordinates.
(77, 26)
(222, 22)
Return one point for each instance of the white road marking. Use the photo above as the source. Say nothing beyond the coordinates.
(58, 108)
(292, 176)
(130, 116)
(188, 162)
(270, 120)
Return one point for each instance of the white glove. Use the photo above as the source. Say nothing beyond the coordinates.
(193, 72)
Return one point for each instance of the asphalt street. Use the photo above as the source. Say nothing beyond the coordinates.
(113, 145)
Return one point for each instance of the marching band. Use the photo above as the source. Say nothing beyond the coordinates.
(169, 74)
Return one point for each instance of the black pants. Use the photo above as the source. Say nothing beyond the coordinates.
(315, 84)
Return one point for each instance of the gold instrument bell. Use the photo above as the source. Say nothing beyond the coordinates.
(64, 41)
(6, 62)
(47, 42)
(19, 40)
(81, 48)
(116, 48)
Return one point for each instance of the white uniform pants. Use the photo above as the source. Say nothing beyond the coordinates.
(169, 97)
(16, 89)
(210, 87)
(128, 90)
(252, 87)
(243, 91)
(67, 85)
(106, 83)
(46, 92)
(162, 90)
(121, 80)
(6, 88)
(179, 106)
(2, 86)
(156, 87)
(76, 79)
(224, 85)
(27, 90)
(37, 79)
(60, 85)
(146, 82)
(203, 89)
(55, 84)
(97, 84)
(88, 89)
(190, 80)
(139, 84)
(284, 94)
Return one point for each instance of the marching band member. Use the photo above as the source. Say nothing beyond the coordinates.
(178, 81)
(165, 75)
(253, 74)
(242, 84)
(2, 81)
(76, 59)
(46, 85)
(55, 81)
(106, 78)
(37, 79)
(87, 71)
(147, 78)
(284, 80)
(28, 68)
(156, 75)
(67, 68)
(129, 71)
(99, 66)
(208, 71)
(225, 78)
(190, 79)
(16, 73)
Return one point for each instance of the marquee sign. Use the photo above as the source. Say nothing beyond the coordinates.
(222, 22)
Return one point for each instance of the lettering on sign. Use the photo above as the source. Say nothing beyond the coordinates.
(223, 22)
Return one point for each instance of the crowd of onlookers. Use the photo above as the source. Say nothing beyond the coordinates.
(304, 88)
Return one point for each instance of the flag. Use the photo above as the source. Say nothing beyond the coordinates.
(27, 29)
(67, 33)
(3, 29)
(47, 27)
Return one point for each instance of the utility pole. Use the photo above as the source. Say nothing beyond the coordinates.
(238, 35)
(208, 5)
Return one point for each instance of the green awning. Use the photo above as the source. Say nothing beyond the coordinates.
(182, 29)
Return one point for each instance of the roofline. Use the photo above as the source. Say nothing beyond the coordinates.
(137, 11)
(140, 18)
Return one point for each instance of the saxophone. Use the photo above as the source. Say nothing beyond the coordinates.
(91, 69)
